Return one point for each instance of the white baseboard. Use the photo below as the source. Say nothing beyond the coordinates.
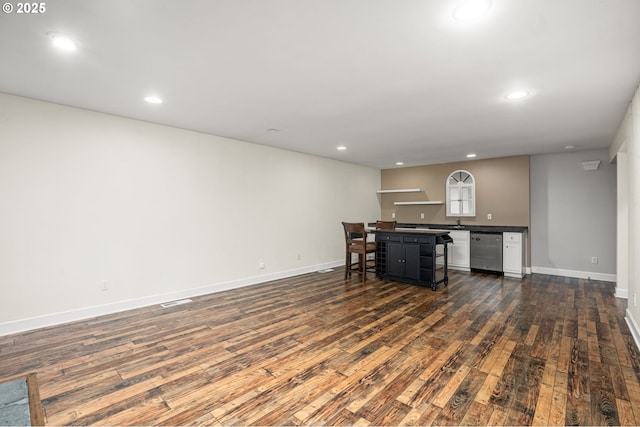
(21, 325)
(633, 327)
(622, 293)
(574, 273)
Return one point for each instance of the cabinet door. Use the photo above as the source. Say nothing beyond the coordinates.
(412, 262)
(512, 258)
(395, 259)
(458, 251)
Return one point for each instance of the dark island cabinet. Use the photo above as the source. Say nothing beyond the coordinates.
(416, 257)
(403, 260)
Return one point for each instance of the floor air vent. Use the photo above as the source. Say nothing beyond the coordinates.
(173, 303)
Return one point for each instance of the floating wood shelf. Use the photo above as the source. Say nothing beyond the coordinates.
(401, 190)
(435, 202)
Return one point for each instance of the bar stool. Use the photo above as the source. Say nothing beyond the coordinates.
(386, 225)
(355, 237)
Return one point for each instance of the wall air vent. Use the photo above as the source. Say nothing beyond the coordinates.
(591, 165)
(174, 303)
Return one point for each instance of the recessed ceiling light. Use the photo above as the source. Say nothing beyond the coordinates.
(471, 155)
(152, 99)
(519, 94)
(273, 130)
(569, 147)
(399, 163)
(471, 10)
(63, 42)
(341, 148)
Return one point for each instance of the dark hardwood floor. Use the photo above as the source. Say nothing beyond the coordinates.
(316, 349)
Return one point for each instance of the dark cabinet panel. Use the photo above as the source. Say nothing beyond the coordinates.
(403, 260)
(412, 261)
(395, 259)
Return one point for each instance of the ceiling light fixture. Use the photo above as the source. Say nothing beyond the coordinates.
(519, 94)
(341, 148)
(471, 155)
(471, 10)
(63, 42)
(399, 163)
(152, 99)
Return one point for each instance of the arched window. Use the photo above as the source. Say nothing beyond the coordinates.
(461, 194)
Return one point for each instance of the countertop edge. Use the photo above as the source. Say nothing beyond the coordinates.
(430, 231)
(452, 227)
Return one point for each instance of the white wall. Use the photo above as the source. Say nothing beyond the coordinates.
(573, 215)
(626, 149)
(622, 225)
(618, 155)
(159, 213)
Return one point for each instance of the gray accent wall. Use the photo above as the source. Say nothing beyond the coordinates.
(573, 215)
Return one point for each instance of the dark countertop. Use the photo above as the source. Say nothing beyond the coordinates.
(433, 232)
(450, 227)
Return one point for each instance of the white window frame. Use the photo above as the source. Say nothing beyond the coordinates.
(461, 186)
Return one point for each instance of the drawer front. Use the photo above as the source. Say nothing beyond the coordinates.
(512, 237)
(388, 238)
(417, 239)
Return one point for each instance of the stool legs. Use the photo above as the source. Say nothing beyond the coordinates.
(347, 265)
(362, 266)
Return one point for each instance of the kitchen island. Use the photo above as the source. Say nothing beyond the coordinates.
(414, 256)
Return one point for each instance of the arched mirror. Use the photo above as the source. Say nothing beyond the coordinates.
(461, 194)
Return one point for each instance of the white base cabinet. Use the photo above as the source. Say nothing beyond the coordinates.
(514, 254)
(458, 254)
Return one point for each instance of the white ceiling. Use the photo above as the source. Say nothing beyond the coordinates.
(393, 80)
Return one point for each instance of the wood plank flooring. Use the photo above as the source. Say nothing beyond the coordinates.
(318, 350)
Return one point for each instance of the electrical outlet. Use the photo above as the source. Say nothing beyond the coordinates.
(594, 260)
(261, 265)
(393, 215)
(422, 215)
(104, 285)
(489, 216)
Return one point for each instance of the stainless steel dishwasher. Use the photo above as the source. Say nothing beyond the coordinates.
(486, 251)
